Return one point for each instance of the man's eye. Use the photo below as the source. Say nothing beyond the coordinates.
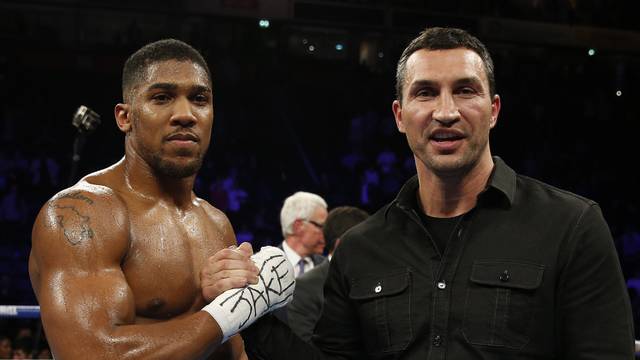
(425, 93)
(467, 91)
(161, 97)
(201, 98)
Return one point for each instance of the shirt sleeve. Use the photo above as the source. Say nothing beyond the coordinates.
(594, 313)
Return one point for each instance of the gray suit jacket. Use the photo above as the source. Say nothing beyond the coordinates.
(306, 307)
(318, 260)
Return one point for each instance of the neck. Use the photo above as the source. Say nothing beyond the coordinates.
(449, 195)
(144, 181)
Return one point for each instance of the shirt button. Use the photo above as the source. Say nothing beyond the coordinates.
(504, 277)
(442, 285)
(378, 288)
(437, 340)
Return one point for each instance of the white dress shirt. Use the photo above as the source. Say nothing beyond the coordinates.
(294, 258)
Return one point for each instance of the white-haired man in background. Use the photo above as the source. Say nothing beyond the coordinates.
(302, 218)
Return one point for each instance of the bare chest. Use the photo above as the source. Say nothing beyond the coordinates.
(167, 252)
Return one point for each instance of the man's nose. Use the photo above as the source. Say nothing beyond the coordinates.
(447, 111)
(183, 113)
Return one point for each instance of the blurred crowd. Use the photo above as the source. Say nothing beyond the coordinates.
(25, 342)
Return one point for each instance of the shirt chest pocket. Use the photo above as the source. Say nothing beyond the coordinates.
(384, 308)
(499, 302)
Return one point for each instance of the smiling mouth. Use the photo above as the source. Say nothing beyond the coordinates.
(446, 137)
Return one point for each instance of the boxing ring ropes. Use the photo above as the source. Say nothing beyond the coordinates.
(20, 311)
(86, 121)
(33, 312)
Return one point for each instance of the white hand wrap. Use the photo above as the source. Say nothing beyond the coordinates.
(236, 309)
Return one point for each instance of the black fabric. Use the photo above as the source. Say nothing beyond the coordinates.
(531, 273)
(440, 229)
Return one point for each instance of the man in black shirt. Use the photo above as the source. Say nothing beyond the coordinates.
(471, 260)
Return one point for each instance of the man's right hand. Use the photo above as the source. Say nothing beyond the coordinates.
(227, 269)
(236, 309)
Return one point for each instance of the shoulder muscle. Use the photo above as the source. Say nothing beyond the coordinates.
(220, 221)
(83, 226)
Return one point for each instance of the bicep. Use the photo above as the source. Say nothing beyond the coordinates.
(76, 274)
(83, 307)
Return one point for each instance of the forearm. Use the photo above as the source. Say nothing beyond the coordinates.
(191, 337)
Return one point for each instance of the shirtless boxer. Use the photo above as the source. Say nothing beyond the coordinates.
(123, 261)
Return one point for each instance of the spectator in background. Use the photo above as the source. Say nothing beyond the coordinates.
(306, 306)
(44, 353)
(302, 218)
(5, 347)
(13, 207)
(24, 332)
(22, 348)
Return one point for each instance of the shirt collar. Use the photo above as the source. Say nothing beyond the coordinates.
(502, 182)
(291, 254)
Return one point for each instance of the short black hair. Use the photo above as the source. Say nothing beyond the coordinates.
(438, 38)
(162, 50)
(339, 221)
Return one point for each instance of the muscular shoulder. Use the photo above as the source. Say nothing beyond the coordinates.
(85, 222)
(533, 193)
(100, 200)
(218, 220)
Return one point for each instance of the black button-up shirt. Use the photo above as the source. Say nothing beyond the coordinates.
(530, 273)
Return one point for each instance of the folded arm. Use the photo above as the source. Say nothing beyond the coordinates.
(79, 240)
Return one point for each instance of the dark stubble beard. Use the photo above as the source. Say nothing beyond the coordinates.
(459, 168)
(166, 167)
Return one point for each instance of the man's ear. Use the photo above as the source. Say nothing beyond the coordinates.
(296, 226)
(396, 107)
(123, 119)
(495, 110)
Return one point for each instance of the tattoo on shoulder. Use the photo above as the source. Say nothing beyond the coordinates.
(75, 226)
(77, 196)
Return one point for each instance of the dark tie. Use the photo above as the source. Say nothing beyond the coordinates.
(301, 266)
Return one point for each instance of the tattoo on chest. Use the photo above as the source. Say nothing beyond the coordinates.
(75, 226)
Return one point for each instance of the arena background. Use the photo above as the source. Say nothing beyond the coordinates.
(303, 92)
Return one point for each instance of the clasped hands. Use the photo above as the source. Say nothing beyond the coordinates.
(243, 286)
